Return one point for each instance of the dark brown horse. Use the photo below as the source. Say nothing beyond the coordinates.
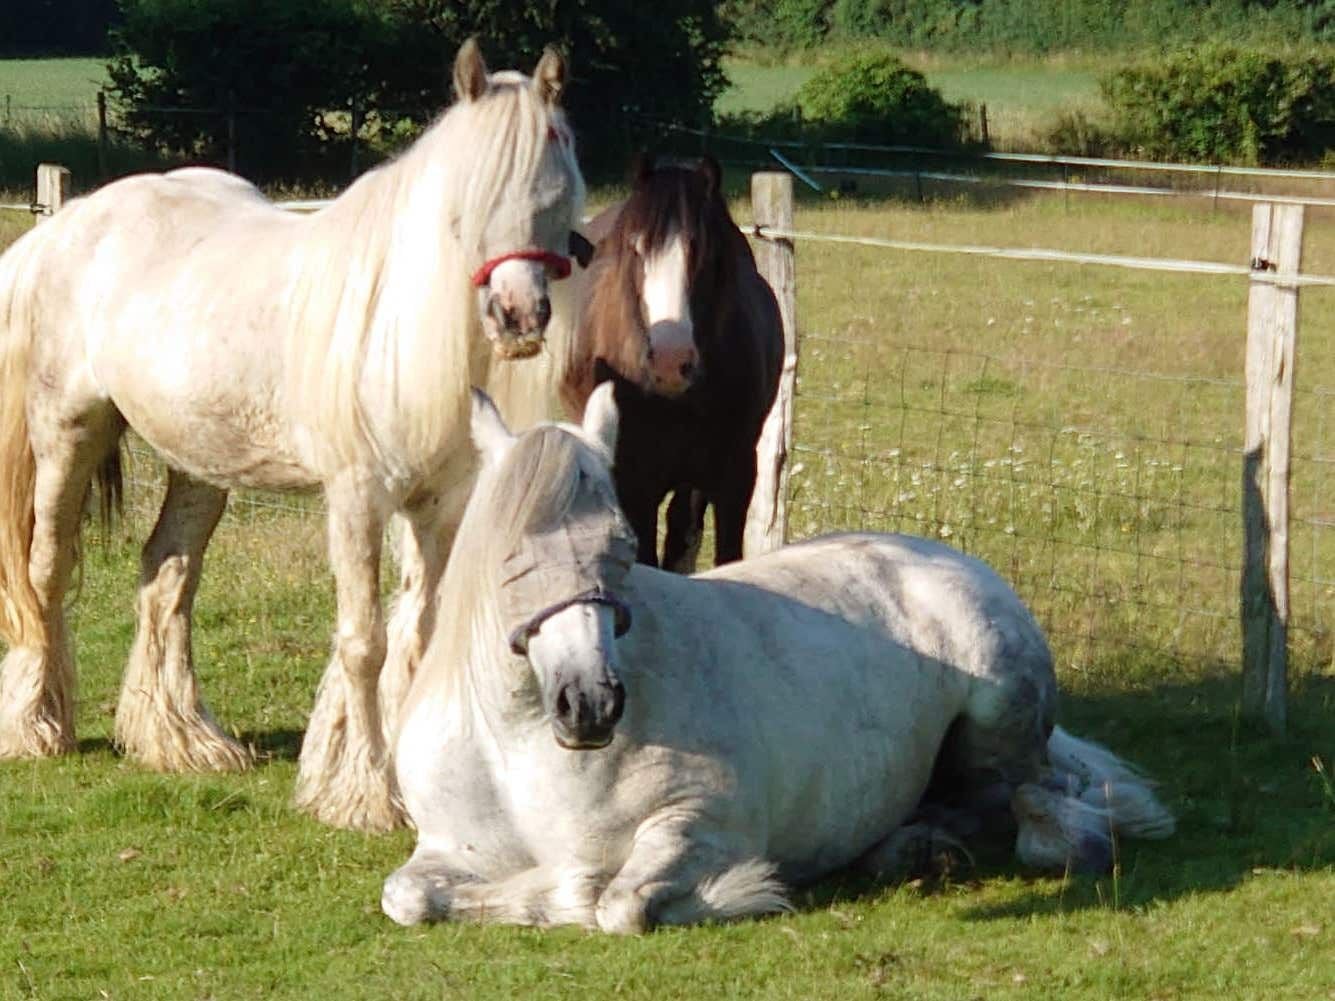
(678, 317)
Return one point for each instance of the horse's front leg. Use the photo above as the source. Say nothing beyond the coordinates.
(641, 509)
(731, 503)
(423, 549)
(344, 776)
(677, 875)
(430, 888)
(685, 530)
(161, 719)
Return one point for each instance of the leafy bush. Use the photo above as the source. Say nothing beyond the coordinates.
(874, 96)
(782, 24)
(1223, 104)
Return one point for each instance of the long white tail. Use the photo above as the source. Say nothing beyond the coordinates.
(1100, 779)
(20, 611)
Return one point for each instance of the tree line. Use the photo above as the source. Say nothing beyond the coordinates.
(1028, 26)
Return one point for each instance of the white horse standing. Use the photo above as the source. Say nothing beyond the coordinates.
(251, 347)
(759, 725)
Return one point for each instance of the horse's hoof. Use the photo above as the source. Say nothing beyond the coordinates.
(409, 901)
(622, 913)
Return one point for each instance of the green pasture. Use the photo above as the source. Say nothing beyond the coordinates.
(1079, 427)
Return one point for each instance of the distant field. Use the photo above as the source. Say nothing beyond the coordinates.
(51, 83)
(1021, 97)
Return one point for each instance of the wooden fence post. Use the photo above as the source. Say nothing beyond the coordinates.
(1272, 330)
(53, 189)
(102, 135)
(767, 520)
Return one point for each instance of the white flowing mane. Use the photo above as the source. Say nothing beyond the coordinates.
(533, 488)
(382, 279)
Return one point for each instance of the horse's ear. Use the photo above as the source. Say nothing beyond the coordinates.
(490, 434)
(713, 174)
(641, 166)
(601, 419)
(470, 72)
(550, 76)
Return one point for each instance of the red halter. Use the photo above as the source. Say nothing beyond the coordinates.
(558, 265)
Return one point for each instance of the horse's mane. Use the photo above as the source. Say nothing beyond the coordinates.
(382, 282)
(663, 200)
(532, 488)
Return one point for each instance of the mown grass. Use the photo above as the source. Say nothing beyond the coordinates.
(936, 392)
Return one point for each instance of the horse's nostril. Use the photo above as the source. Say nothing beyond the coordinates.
(562, 705)
(543, 311)
(687, 369)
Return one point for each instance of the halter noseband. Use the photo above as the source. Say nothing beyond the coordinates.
(593, 596)
(557, 265)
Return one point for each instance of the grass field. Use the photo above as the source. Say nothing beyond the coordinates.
(1078, 427)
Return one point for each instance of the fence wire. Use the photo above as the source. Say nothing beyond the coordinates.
(1120, 523)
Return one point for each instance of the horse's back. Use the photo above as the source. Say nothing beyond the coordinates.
(930, 596)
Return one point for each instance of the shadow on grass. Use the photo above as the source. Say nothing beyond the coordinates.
(269, 745)
(274, 745)
(1247, 804)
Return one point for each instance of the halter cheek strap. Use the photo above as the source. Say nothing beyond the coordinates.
(594, 596)
(557, 265)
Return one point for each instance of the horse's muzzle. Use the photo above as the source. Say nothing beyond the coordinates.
(516, 331)
(514, 304)
(584, 718)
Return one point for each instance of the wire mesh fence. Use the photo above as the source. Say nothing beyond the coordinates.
(1110, 498)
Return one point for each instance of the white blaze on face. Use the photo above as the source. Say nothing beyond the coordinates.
(673, 358)
(665, 290)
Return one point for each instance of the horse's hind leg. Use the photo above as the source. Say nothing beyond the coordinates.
(37, 678)
(161, 720)
(344, 773)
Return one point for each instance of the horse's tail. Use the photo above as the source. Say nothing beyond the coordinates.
(21, 622)
(1100, 779)
(748, 888)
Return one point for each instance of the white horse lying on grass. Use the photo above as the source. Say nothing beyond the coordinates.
(252, 347)
(757, 726)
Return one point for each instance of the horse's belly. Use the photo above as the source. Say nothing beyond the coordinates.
(242, 449)
(209, 409)
(846, 778)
